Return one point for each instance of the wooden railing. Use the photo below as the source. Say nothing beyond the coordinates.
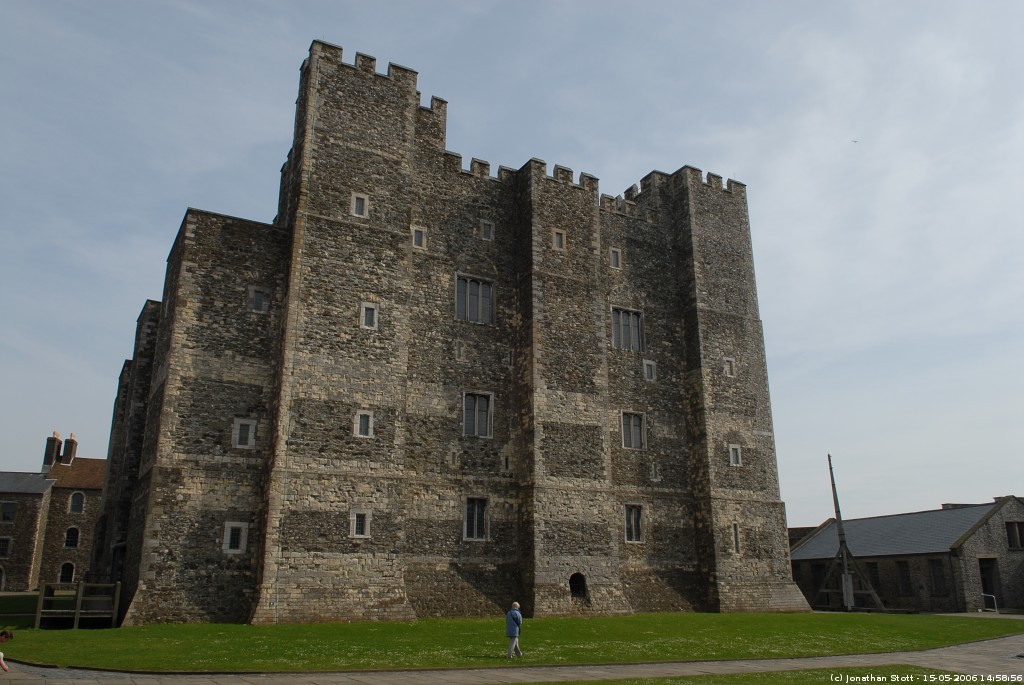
(78, 601)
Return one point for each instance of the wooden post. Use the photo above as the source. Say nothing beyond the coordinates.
(39, 605)
(78, 603)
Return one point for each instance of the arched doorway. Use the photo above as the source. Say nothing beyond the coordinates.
(578, 586)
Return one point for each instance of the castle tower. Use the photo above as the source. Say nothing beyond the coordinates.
(429, 390)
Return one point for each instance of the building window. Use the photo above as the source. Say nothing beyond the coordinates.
(627, 330)
(76, 505)
(873, 575)
(486, 230)
(243, 434)
(938, 573)
(236, 537)
(476, 518)
(259, 300)
(634, 523)
(650, 370)
(7, 511)
(360, 205)
(558, 239)
(368, 315)
(655, 471)
(632, 431)
(460, 349)
(615, 258)
(71, 538)
(729, 367)
(362, 424)
(476, 408)
(736, 538)
(735, 455)
(473, 300)
(1014, 534)
(5, 547)
(359, 523)
(906, 586)
(419, 238)
(67, 572)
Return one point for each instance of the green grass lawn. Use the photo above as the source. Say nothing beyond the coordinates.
(454, 643)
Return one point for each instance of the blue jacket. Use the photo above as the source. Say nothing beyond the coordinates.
(513, 619)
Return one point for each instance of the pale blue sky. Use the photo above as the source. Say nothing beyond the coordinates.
(889, 269)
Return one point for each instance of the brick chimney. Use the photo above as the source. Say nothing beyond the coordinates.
(70, 447)
(51, 453)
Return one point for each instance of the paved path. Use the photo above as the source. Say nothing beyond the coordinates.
(1003, 656)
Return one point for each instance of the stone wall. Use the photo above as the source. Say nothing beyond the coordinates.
(25, 534)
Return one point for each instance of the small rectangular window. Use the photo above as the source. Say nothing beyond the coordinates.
(650, 370)
(1015, 535)
(735, 455)
(938, 576)
(368, 315)
(473, 300)
(236, 537)
(634, 523)
(486, 230)
(632, 431)
(729, 367)
(615, 258)
(736, 537)
(360, 523)
(477, 408)
(7, 511)
(873, 575)
(259, 300)
(558, 239)
(5, 547)
(243, 434)
(476, 518)
(627, 330)
(360, 205)
(419, 238)
(655, 471)
(363, 424)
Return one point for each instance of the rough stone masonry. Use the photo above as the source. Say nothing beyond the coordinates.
(430, 391)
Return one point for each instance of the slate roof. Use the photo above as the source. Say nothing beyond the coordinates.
(24, 483)
(80, 474)
(920, 532)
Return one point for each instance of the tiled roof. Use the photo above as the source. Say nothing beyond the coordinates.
(84, 474)
(24, 483)
(920, 532)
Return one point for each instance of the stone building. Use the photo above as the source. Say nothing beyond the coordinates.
(47, 519)
(428, 390)
(962, 557)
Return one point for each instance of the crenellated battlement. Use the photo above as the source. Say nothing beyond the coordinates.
(561, 174)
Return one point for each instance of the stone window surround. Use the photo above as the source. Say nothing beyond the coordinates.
(477, 395)
(243, 537)
(485, 229)
(258, 299)
(462, 299)
(419, 237)
(655, 471)
(62, 577)
(5, 547)
(729, 367)
(250, 443)
(369, 306)
(76, 498)
(357, 430)
(633, 341)
(633, 532)
(736, 538)
(615, 257)
(558, 239)
(1015, 534)
(735, 454)
(650, 371)
(356, 198)
(635, 442)
(8, 510)
(72, 535)
(354, 515)
(481, 515)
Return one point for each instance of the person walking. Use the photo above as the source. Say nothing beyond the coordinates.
(513, 624)
(5, 635)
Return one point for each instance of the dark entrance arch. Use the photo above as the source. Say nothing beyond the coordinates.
(578, 585)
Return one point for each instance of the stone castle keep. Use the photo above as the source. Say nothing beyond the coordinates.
(424, 390)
